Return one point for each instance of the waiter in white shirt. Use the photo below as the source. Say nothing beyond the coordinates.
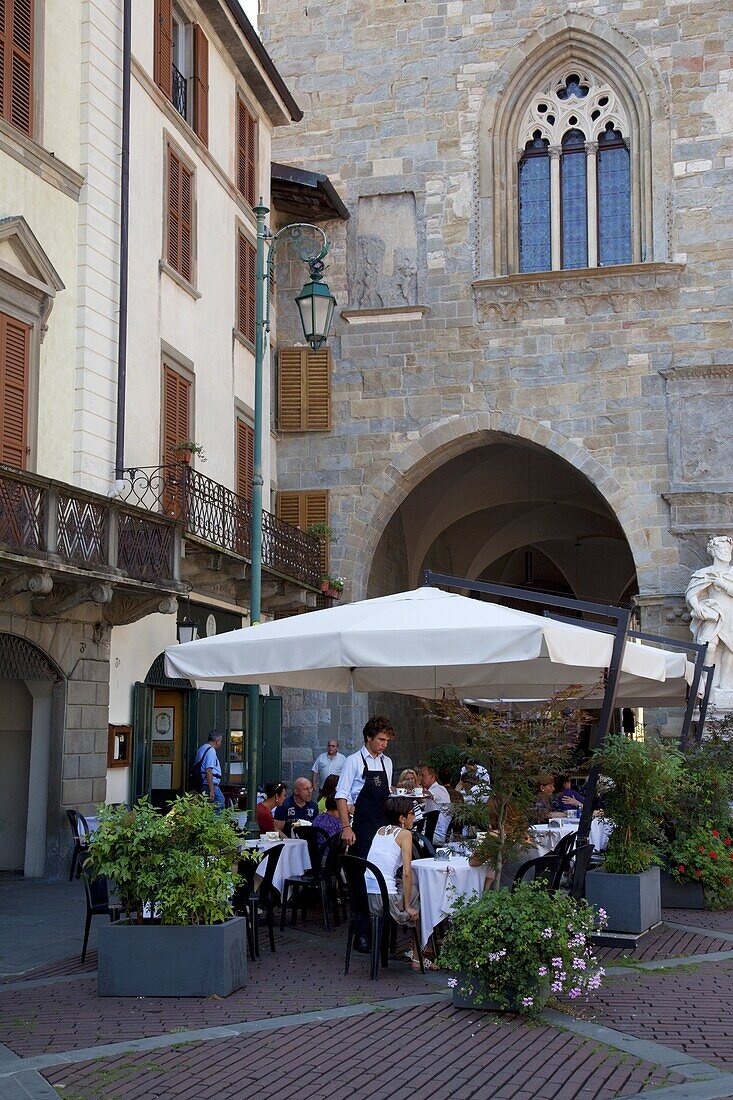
(365, 782)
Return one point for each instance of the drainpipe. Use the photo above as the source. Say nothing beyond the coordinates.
(124, 239)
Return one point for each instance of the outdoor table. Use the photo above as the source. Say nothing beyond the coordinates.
(294, 860)
(441, 882)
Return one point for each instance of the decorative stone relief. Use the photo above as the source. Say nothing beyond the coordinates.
(383, 261)
(709, 597)
(701, 438)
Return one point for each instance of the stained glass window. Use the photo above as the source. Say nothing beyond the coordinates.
(574, 201)
(614, 199)
(535, 252)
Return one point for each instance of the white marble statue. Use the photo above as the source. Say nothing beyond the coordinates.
(709, 597)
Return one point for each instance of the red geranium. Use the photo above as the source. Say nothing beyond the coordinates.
(728, 841)
(725, 879)
(702, 849)
(681, 869)
(715, 832)
(713, 855)
(698, 872)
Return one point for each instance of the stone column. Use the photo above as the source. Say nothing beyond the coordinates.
(556, 240)
(591, 175)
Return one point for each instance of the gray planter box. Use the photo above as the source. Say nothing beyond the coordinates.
(157, 960)
(681, 895)
(633, 902)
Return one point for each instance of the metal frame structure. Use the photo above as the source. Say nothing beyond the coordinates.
(621, 618)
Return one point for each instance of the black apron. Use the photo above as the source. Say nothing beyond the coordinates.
(369, 809)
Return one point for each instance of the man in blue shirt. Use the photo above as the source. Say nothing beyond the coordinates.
(209, 769)
(299, 806)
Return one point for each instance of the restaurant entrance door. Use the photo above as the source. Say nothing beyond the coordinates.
(168, 750)
(16, 718)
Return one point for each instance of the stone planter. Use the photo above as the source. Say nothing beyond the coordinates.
(477, 997)
(681, 895)
(633, 902)
(161, 960)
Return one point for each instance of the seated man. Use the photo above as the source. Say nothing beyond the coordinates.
(329, 820)
(437, 799)
(391, 849)
(299, 806)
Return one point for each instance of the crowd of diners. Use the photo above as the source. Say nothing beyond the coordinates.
(359, 797)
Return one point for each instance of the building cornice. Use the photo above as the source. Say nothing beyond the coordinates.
(36, 159)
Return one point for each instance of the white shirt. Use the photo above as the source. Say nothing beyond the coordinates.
(351, 781)
(438, 796)
(481, 780)
(326, 765)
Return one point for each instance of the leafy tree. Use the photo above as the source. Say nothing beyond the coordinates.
(515, 748)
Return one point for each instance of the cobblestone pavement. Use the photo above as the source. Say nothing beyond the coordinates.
(299, 1024)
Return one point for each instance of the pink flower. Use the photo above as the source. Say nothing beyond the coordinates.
(453, 982)
(546, 933)
(542, 971)
(573, 993)
(527, 1002)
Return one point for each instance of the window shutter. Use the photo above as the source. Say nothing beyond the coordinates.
(246, 287)
(180, 216)
(175, 413)
(163, 47)
(245, 458)
(14, 366)
(304, 390)
(16, 63)
(246, 153)
(303, 508)
(201, 84)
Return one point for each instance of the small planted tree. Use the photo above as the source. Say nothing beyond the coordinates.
(515, 748)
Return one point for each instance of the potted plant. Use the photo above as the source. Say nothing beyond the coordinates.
(320, 531)
(699, 857)
(332, 586)
(515, 748)
(186, 448)
(643, 778)
(513, 950)
(174, 878)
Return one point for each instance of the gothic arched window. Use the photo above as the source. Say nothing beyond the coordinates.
(574, 177)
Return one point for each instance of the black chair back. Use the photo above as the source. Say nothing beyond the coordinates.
(315, 839)
(270, 861)
(79, 827)
(431, 820)
(355, 868)
(422, 848)
(566, 845)
(97, 892)
(247, 869)
(583, 855)
(544, 869)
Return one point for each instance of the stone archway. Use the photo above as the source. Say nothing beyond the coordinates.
(461, 435)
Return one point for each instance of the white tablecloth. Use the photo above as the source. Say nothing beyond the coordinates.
(547, 837)
(440, 883)
(294, 860)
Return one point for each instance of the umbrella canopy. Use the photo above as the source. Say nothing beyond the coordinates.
(426, 643)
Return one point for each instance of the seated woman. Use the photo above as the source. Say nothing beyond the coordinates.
(565, 797)
(328, 790)
(275, 795)
(408, 780)
(543, 808)
(390, 850)
(328, 821)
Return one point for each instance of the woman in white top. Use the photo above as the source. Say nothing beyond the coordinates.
(391, 849)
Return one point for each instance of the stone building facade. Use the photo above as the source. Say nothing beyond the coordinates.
(568, 426)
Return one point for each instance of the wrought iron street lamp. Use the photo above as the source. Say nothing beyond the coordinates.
(186, 630)
(315, 305)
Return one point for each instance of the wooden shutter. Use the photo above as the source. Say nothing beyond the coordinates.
(246, 287)
(246, 153)
(180, 216)
(201, 84)
(304, 390)
(176, 427)
(16, 63)
(304, 507)
(245, 458)
(15, 340)
(163, 47)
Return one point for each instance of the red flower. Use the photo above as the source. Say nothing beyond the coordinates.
(681, 869)
(698, 872)
(715, 832)
(725, 879)
(702, 849)
(728, 841)
(713, 855)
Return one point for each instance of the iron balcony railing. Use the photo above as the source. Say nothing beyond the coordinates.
(179, 92)
(59, 522)
(221, 517)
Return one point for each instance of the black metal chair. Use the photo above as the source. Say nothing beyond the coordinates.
(431, 821)
(422, 848)
(355, 869)
(566, 845)
(546, 870)
(265, 896)
(335, 882)
(98, 904)
(296, 889)
(80, 835)
(245, 904)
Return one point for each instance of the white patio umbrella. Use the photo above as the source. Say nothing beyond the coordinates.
(426, 643)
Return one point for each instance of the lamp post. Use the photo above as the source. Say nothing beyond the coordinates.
(315, 305)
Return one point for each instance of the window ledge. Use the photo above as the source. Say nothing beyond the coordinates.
(242, 339)
(33, 156)
(573, 293)
(382, 314)
(166, 269)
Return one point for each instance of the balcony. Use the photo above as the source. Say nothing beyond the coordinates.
(67, 546)
(217, 521)
(179, 92)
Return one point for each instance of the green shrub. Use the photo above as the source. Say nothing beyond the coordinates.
(521, 947)
(705, 855)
